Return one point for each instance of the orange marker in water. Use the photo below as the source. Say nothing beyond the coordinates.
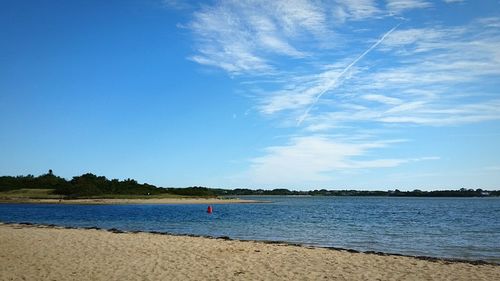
(209, 209)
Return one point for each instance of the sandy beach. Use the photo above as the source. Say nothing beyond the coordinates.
(48, 253)
(133, 201)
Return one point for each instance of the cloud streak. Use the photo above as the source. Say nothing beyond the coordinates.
(333, 82)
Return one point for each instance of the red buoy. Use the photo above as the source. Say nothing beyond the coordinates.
(209, 209)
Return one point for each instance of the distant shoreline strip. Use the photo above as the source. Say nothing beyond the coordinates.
(169, 201)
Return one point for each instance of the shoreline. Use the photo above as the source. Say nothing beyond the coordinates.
(132, 201)
(39, 252)
(271, 242)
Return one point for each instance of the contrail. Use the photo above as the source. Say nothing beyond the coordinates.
(334, 81)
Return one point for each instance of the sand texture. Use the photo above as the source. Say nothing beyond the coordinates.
(133, 201)
(47, 253)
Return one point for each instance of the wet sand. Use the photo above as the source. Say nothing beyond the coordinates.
(52, 253)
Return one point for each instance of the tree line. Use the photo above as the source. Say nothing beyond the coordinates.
(88, 184)
(462, 192)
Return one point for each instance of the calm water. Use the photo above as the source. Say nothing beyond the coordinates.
(465, 228)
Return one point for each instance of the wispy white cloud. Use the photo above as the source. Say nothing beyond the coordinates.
(355, 10)
(301, 94)
(398, 6)
(489, 22)
(178, 4)
(382, 99)
(417, 38)
(239, 36)
(492, 168)
(416, 113)
(315, 159)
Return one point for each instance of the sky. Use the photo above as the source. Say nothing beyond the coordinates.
(298, 94)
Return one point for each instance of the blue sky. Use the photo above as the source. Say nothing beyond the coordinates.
(262, 94)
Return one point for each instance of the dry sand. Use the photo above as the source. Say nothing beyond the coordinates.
(134, 201)
(47, 253)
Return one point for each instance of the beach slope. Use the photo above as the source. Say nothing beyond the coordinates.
(48, 253)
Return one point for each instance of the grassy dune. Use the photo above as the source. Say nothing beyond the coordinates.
(28, 193)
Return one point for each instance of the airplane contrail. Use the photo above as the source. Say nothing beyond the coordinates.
(334, 81)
